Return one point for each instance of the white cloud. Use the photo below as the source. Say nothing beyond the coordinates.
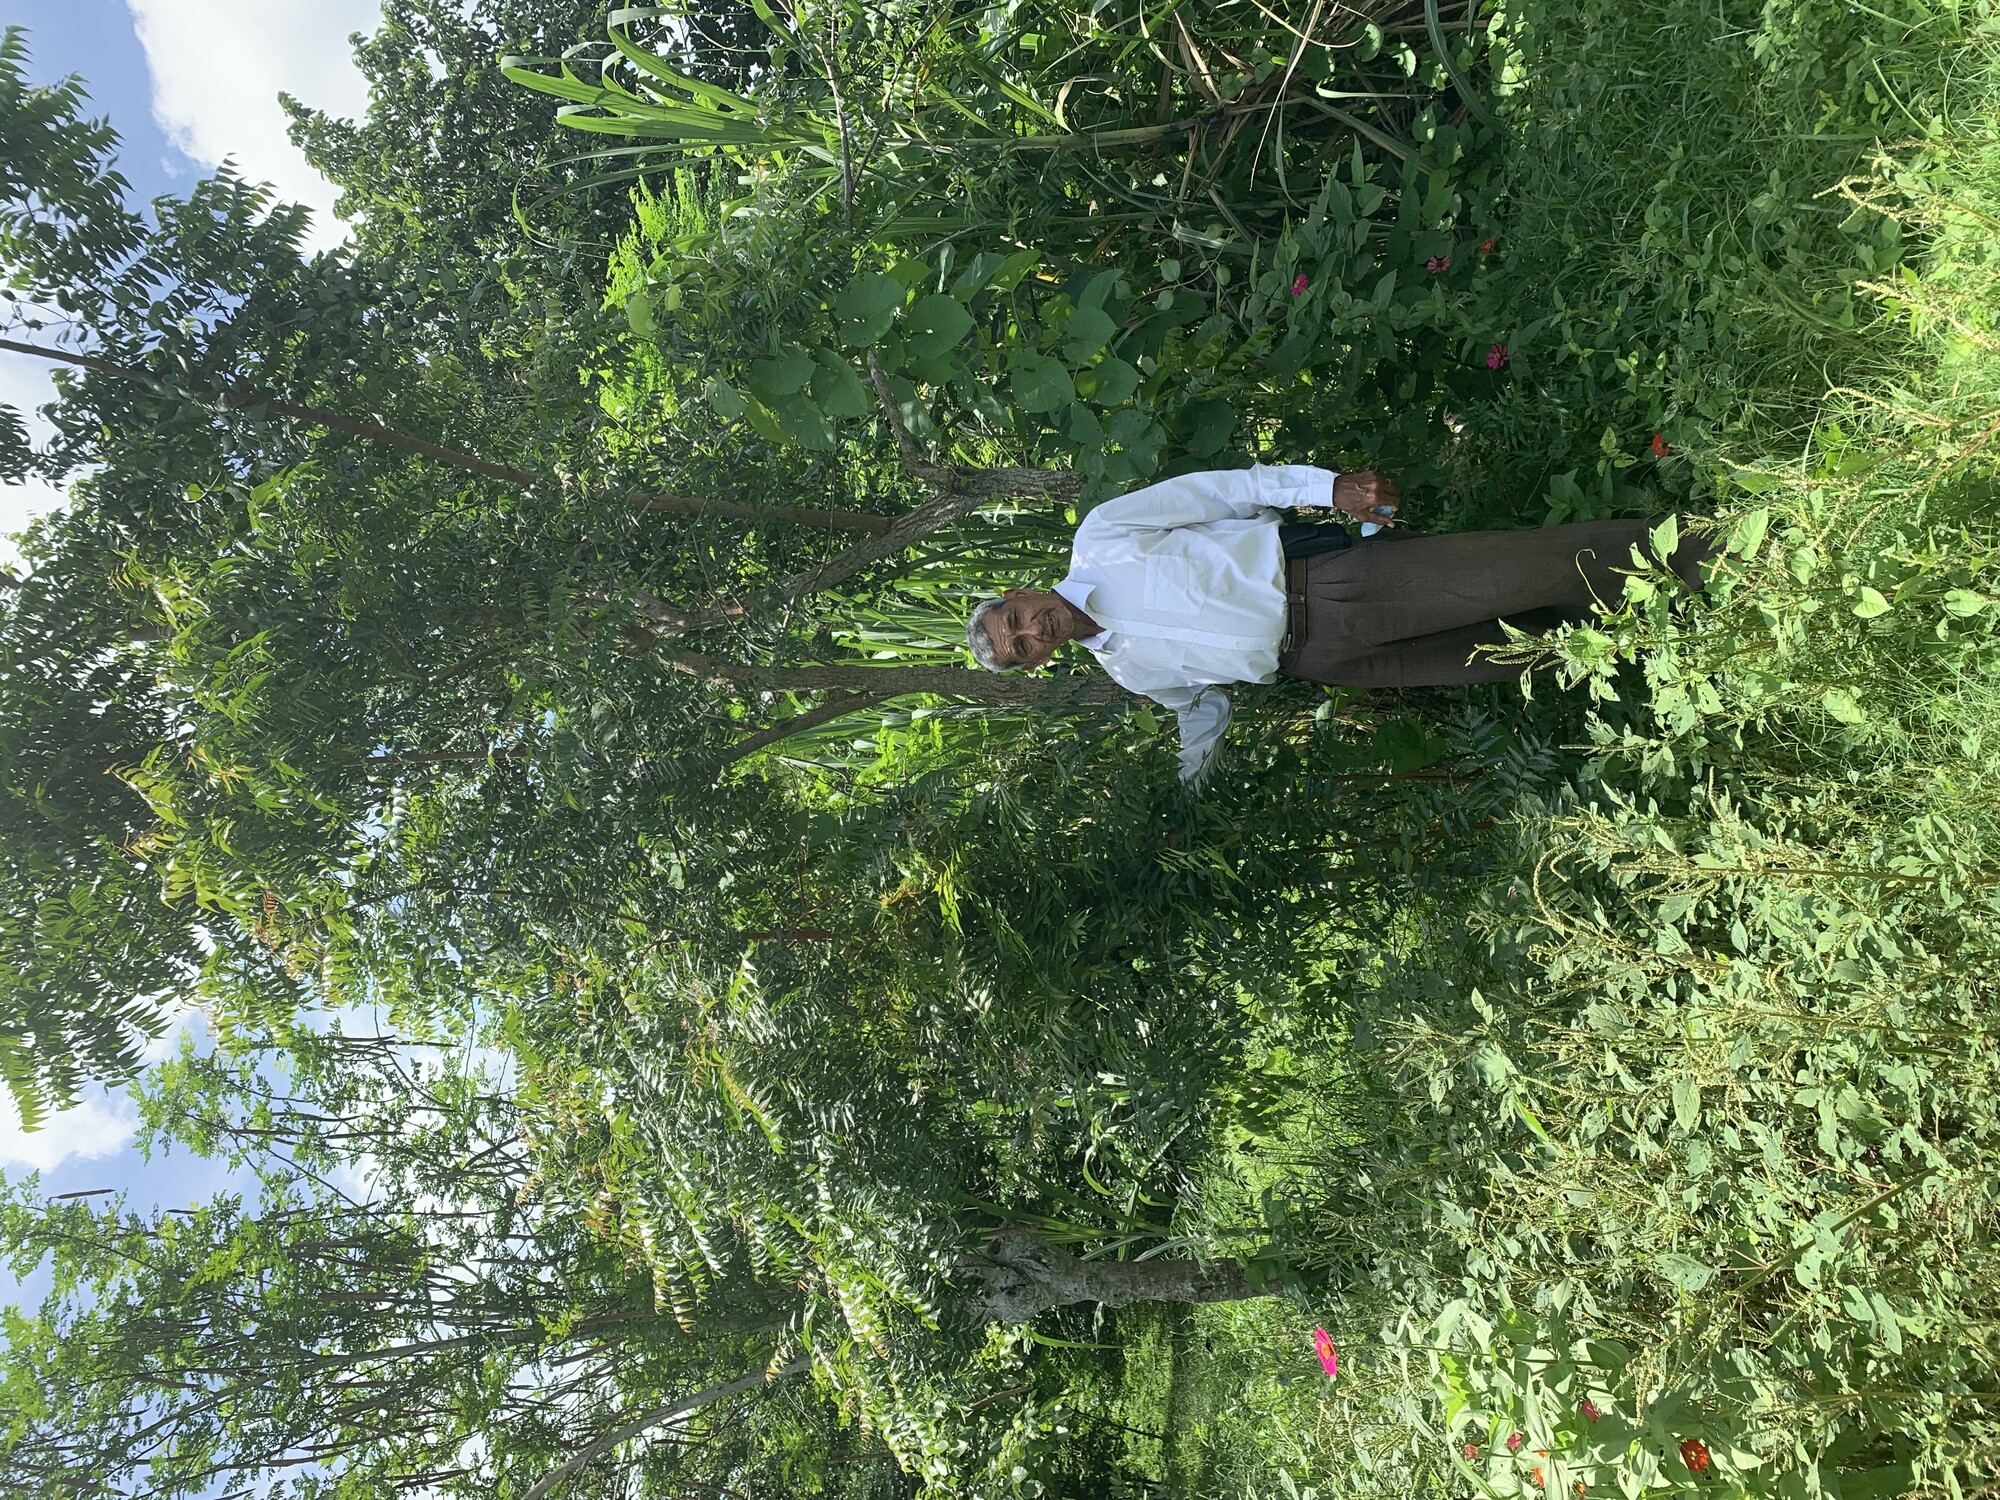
(96, 1128)
(218, 66)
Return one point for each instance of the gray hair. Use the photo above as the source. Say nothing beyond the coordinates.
(978, 641)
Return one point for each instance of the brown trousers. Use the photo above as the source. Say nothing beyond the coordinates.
(1410, 611)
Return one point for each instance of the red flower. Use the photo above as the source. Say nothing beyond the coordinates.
(1299, 284)
(1486, 245)
(1694, 1453)
(1471, 1451)
(1329, 1357)
(1514, 1443)
(1589, 1409)
(1496, 357)
(1660, 448)
(1437, 264)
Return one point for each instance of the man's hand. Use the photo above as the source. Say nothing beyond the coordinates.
(1367, 496)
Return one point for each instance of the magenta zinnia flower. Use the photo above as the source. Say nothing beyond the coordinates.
(1496, 357)
(1329, 1357)
(1299, 284)
(1438, 263)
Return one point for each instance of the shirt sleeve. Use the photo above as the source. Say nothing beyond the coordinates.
(1213, 495)
(1203, 713)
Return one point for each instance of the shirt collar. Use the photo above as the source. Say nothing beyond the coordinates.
(1077, 592)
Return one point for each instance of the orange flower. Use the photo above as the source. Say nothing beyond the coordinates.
(1486, 245)
(1694, 1453)
(1538, 1475)
(1660, 448)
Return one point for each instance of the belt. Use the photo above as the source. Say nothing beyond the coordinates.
(1295, 605)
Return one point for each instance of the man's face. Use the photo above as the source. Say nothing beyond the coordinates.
(1027, 627)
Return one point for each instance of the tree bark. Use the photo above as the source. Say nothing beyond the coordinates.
(1020, 1275)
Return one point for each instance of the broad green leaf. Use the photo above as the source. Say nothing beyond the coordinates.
(1086, 333)
(1040, 383)
(1840, 703)
(866, 307)
(1872, 604)
(1116, 381)
(1684, 1271)
(724, 398)
(1212, 424)
(801, 421)
(1013, 268)
(1964, 602)
(837, 388)
(758, 415)
(1687, 1102)
(936, 324)
(639, 314)
(783, 375)
(1666, 538)
(1749, 533)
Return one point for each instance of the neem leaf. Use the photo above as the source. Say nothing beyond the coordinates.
(935, 324)
(1040, 383)
(866, 307)
(724, 398)
(1086, 333)
(837, 389)
(783, 375)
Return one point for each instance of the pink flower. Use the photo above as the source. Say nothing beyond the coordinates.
(1496, 357)
(1471, 1451)
(1514, 1443)
(1438, 264)
(1299, 284)
(1329, 1357)
(1589, 1409)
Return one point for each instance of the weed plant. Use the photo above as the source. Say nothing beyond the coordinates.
(1658, 1158)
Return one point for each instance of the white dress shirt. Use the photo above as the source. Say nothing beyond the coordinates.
(1188, 580)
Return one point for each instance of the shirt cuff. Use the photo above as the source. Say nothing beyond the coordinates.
(1297, 486)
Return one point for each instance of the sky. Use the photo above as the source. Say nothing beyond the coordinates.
(186, 83)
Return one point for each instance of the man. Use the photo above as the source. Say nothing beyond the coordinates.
(1191, 583)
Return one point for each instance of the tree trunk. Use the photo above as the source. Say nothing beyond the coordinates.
(1020, 1275)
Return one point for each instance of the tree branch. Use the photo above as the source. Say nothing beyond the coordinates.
(1004, 690)
(604, 1442)
(826, 713)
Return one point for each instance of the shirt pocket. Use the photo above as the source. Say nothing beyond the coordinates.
(1173, 585)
